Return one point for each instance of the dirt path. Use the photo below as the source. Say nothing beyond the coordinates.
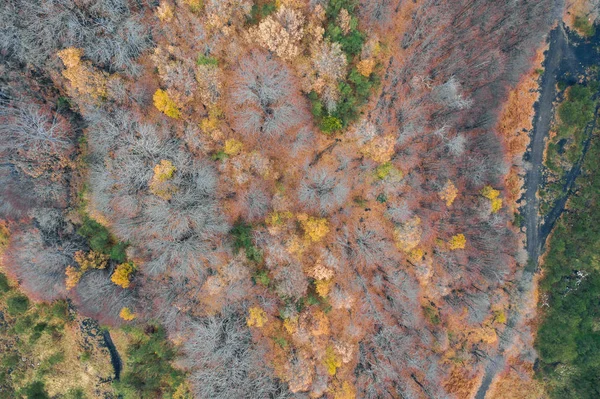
(558, 52)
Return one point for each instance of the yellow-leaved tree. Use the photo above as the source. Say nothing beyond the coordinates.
(233, 147)
(256, 317)
(84, 79)
(343, 390)
(85, 261)
(122, 274)
(448, 193)
(126, 314)
(165, 104)
(457, 241)
(332, 360)
(494, 196)
(315, 229)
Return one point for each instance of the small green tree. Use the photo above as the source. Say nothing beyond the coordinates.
(330, 124)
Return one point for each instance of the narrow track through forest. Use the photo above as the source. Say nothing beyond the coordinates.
(565, 57)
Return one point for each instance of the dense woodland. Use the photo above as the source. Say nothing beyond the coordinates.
(291, 199)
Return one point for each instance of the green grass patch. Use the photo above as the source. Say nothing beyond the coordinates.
(584, 26)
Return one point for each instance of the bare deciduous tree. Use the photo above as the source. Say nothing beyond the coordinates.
(225, 362)
(263, 94)
(323, 191)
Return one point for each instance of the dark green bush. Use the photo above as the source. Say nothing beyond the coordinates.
(117, 252)
(35, 390)
(100, 240)
(242, 234)
(262, 277)
(75, 393)
(11, 360)
(17, 304)
(98, 236)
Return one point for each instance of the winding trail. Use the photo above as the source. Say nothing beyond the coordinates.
(559, 52)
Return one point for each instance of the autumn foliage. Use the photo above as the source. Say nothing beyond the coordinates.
(310, 196)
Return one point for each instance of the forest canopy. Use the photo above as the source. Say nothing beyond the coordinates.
(268, 199)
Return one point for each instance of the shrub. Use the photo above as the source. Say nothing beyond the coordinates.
(195, 5)
(17, 304)
(75, 393)
(579, 107)
(383, 170)
(457, 242)
(432, 314)
(11, 360)
(60, 310)
(262, 277)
